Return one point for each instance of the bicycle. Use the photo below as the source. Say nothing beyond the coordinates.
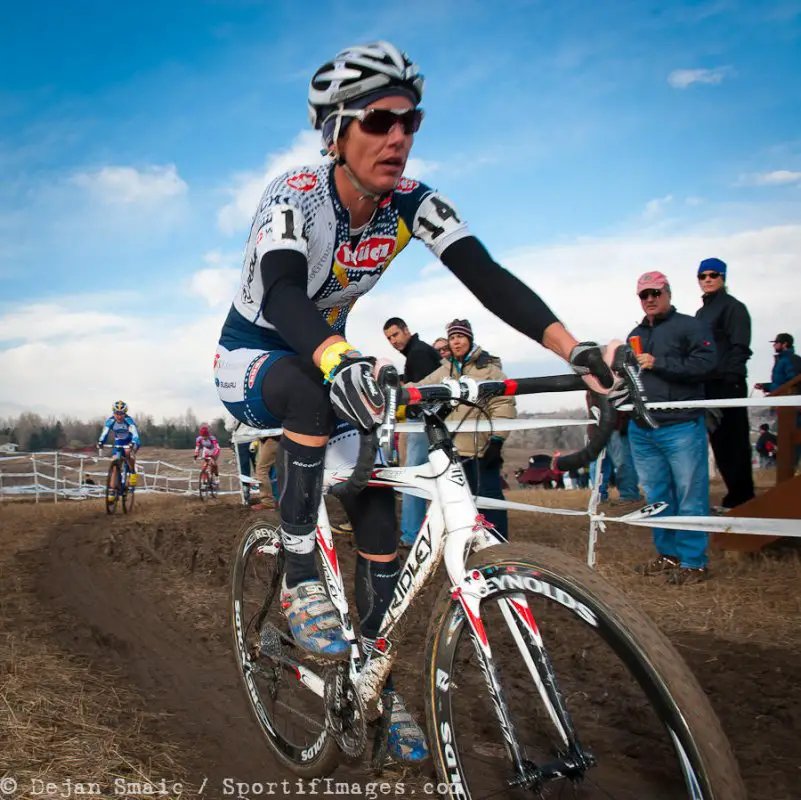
(207, 483)
(120, 481)
(486, 659)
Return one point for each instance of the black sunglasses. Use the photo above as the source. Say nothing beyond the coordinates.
(703, 275)
(380, 121)
(646, 293)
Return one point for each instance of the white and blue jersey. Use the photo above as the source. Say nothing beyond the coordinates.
(301, 211)
(124, 430)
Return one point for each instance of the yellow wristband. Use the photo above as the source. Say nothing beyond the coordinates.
(332, 355)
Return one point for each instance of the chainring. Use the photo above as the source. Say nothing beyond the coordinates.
(344, 712)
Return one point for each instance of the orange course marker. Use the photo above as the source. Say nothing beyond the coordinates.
(636, 345)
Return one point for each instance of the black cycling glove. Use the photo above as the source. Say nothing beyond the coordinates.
(355, 394)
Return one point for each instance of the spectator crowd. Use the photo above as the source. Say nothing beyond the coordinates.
(681, 356)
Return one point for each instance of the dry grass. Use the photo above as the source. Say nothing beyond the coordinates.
(753, 599)
(59, 719)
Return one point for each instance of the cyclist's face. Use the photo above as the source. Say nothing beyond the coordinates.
(120, 415)
(459, 344)
(378, 160)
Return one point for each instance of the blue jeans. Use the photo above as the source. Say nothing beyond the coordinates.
(606, 473)
(413, 509)
(674, 469)
(619, 450)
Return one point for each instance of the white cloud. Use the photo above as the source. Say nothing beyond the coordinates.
(130, 186)
(694, 201)
(216, 283)
(45, 321)
(248, 187)
(682, 78)
(655, 207)
(158, 365)
(304, 151)
(779, 177)
(78, 355)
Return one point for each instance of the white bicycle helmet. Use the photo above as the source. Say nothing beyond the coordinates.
(358, 71)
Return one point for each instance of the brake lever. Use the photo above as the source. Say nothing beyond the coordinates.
(389, 382)
(625, 365)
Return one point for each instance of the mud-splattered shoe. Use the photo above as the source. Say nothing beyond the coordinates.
(313, 620)
(405, 738)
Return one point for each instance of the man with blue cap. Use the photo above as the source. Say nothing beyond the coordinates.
(729, 323)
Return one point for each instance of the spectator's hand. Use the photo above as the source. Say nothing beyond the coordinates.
(492, 455)
(646, 360)
(760, 386)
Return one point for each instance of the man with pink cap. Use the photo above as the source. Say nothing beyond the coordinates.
(674, 355)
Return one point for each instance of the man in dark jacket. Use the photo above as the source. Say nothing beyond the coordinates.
(672, 460)
(421, 360)
(729, 322)
(786, 364)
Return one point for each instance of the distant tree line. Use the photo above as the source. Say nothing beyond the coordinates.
(34, 433)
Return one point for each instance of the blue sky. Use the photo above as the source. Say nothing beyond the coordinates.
(584, 143)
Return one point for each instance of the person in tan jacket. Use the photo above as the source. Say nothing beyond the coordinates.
(480, 452)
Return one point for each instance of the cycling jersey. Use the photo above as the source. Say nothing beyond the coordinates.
(209, 444)
(124, 430)
(301, 211)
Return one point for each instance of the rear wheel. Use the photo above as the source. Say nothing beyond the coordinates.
(617, 713)
(280, 679)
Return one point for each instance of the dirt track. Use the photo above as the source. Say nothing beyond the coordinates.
(146, 596)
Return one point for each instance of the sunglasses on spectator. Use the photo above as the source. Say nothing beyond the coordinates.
(380, 121)
(646, 293)
(702, 276)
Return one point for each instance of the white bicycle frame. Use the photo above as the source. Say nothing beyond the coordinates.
(454, 528)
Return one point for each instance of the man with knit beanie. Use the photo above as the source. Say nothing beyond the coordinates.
(729, 323)
(480, 452)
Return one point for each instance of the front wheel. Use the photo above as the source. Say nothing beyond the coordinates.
(281, 683)
(113, 487)
(595, 701)
(204, 484)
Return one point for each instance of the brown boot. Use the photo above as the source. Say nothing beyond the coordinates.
(687, 575)
(661, 565)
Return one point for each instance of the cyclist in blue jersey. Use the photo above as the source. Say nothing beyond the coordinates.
(321, 237)
(126, 435)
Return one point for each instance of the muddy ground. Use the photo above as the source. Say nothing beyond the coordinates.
(115, 654)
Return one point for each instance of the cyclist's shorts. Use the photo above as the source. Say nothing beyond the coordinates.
(238, 375)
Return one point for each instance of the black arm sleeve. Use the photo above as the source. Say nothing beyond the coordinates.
(497, 289)
(284, 274)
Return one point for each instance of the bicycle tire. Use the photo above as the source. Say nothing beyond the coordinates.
(671, 688)
(315, 761)
(203, 484)
(130, 491)
(111, 489)
(123, 486)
